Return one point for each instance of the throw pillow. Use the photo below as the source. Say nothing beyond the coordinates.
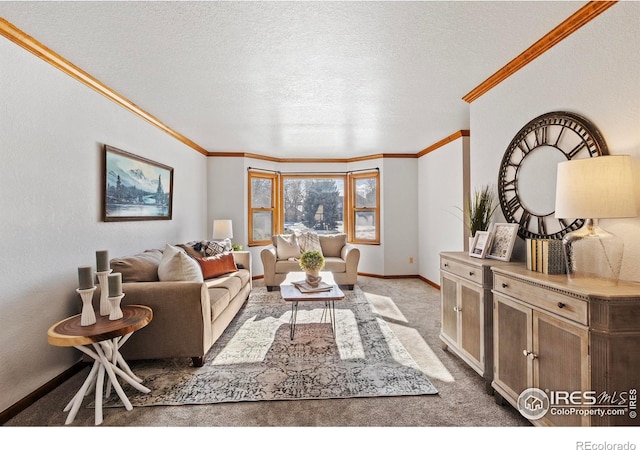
(190, 249)
(308, 241)
(212, 248)
(332, 244)
(141, 267)
(215, 266)
(287, 246)
(176, 265)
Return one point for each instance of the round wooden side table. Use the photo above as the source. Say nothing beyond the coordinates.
(102, 341)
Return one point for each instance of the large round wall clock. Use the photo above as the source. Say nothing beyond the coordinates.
(527, 177)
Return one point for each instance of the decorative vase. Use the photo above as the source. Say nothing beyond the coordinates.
(313, 278)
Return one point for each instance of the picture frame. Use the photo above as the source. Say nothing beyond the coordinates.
(504, 237)
(481, 244)
(135, 188)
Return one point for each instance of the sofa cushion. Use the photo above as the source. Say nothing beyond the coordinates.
(176, 265)
(332, 244)
(244, 275)
(228, 282)
(286, 266)
(140, 267)
(309, 240)
(286, 246)
(212, 248)
(215, 266)
(220, 299)
(333, 264)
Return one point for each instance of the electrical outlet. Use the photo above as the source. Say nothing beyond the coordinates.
(410, 259)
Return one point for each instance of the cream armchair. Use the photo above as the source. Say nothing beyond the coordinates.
(341, 259)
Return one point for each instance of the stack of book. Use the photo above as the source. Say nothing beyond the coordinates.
(307, 288)
(545, 256)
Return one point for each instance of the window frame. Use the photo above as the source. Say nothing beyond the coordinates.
(351, 236)
(274, 209)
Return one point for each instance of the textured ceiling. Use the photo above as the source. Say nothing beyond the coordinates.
(295, 79)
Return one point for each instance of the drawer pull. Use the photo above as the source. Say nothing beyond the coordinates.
(561, 305)
(471, 274)
(505, 285)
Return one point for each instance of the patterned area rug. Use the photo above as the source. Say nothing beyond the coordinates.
(255, 359)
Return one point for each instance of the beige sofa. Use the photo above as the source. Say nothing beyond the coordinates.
(341, 259)
(188, 316)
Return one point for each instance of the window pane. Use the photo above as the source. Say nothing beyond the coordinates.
(262, 225)
(365, 225)
(313, 203)
(366, 193)
(261, 190)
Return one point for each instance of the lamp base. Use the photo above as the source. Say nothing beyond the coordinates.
(593, 255)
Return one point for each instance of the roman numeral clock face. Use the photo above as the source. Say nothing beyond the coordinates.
(527, 177)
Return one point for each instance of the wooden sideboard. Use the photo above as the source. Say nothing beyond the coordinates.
(579, 344)
(466, 310)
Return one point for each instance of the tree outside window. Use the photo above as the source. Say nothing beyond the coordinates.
(313, 203)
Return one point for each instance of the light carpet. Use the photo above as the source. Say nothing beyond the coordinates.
(255, 359)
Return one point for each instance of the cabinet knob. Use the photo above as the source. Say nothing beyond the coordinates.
(525, 352)
(529, 354)
(505, 285)
(446, 264)
(471, 273)
(561, 305)
(456, 309)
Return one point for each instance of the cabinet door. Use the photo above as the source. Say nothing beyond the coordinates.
(512, 335)
(449, 300)
(561, 361)
(471, 317)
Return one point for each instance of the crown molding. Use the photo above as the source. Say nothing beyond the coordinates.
(19, 37)
(452, 137)
(311, 160)
(581, 17)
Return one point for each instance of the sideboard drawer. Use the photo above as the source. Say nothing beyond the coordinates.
(544, 298)
(462, 270)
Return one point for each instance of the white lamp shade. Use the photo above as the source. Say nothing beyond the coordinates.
(595, 188)
(222, 229)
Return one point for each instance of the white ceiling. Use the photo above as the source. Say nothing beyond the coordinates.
(295, 79)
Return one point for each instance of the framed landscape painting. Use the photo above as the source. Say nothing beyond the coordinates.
(135, 188)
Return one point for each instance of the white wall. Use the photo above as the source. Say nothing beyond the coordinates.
(441, 193)
(399, 184)
(594, 73)
(52, 131)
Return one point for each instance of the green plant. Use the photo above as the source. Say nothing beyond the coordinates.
(480, 208)
(311, 260)
(236, 247)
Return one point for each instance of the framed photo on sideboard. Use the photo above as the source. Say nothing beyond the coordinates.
(481, 243)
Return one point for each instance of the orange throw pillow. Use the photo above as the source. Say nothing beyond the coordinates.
(215, 266)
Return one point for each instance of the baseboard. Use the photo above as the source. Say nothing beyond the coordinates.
(43, 390)
(385, 277)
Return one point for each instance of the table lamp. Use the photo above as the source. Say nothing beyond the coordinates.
(594, 188)
(223, 231)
